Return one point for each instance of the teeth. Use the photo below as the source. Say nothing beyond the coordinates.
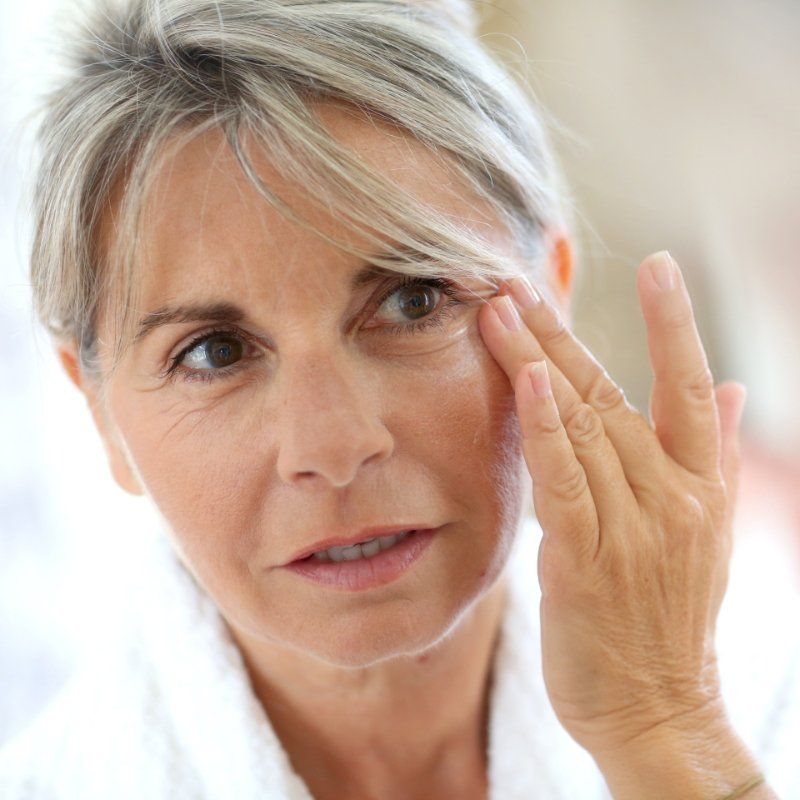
(386, 542)
(370, 548)
(365, 549)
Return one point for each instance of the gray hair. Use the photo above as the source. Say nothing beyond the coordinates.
(146, 73)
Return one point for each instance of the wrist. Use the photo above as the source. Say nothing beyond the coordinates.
(701, 759)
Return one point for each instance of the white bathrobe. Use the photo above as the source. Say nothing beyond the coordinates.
(164, 709)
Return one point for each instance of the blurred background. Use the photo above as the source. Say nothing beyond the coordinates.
(678, 127)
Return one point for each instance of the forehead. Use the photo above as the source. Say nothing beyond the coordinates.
(203, 216)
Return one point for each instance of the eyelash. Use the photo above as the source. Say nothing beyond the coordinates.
(448, 288)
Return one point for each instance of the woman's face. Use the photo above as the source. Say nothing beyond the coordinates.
(323, 410)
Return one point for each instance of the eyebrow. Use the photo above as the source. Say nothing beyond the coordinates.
(226, 312)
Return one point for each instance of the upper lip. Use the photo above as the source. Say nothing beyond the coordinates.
(364, 533)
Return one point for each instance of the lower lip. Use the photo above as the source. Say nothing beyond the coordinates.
(366, 573)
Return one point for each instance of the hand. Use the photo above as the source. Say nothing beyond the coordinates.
(637, 517)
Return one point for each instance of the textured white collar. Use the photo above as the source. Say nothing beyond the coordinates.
(218, 723)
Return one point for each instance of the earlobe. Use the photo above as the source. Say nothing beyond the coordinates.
(119, 461)
(121, 469)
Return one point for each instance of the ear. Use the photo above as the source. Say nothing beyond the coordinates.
(121, 468)
(560, 266)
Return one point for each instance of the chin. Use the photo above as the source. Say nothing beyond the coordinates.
(399, 628)
(355, 645)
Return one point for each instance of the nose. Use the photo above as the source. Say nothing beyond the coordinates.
(328, 426)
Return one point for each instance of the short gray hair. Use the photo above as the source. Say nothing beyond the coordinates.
(142, 72)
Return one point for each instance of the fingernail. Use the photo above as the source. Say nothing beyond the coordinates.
(540, 380)
(524, 292)
(663, 271)
(504, 307)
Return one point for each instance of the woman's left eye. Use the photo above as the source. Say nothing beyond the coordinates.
(413, 299)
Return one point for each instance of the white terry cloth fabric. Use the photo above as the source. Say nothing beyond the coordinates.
(164, 710)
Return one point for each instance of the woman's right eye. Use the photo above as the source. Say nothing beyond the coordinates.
(222, 350)
(209, 356)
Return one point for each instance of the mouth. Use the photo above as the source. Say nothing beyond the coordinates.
(366, 548)
(367, 542)
(371, 563)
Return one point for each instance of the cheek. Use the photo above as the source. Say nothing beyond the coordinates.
(192, 464)
(467, 431)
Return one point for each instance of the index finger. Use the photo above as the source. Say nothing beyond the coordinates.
(682, 403)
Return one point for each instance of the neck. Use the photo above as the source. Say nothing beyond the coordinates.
(414, 721)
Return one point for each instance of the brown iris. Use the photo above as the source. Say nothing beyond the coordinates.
(223, 350)
(419, 306)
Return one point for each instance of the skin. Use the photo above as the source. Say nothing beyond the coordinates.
(637, 517)
(337, 427)
(324, 432)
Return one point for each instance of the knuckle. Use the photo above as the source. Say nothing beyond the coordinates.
(699, 385)
(547, 427)
(603, 393)
(554, 333)
(693, 511)
(570, 486)
(583, 424)
(689, 513)
(678, 318)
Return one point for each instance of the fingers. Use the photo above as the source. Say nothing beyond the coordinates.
(561, 485)
(629, 432)
(682, 403)
(588, 451)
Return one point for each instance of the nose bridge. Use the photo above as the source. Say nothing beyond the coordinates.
(328, 425)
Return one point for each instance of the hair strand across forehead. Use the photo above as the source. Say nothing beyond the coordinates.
(144, 75)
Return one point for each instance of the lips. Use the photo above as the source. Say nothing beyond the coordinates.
(362, 535)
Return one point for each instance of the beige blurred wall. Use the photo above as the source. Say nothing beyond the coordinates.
(678, 127)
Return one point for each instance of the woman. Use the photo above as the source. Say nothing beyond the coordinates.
(288, 250)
